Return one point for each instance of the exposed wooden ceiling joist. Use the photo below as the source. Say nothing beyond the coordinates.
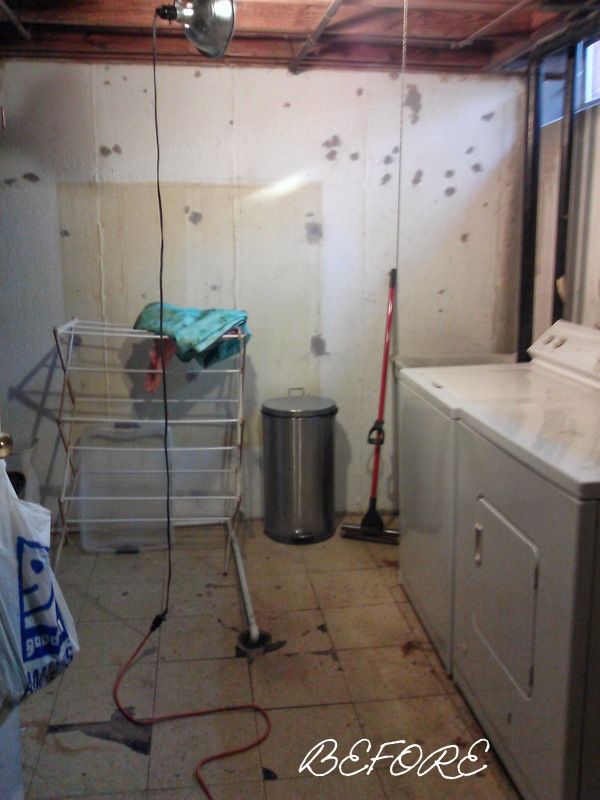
(363, 34)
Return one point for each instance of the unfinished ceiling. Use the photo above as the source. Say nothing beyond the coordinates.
(452, 35)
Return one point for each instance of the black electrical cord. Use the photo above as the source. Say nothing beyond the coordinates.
(161, 342)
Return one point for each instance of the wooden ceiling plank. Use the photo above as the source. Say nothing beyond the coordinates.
(542, 36)
(106, 47)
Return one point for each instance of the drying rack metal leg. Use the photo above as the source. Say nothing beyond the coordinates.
(247, 600)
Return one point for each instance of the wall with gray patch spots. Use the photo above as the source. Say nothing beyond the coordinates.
(281, 196)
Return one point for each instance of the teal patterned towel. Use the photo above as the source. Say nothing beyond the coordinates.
(196, 331)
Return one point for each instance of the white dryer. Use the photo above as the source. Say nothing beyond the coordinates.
(527, 583)
(431, 400)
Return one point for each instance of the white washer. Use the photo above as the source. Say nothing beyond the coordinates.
(431, 399)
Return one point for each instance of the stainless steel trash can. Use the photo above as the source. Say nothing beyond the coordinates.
(298, 467)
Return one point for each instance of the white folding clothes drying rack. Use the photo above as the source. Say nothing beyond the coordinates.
(112, 431)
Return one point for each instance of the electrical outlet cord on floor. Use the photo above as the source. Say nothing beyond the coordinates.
(160, 618)
(188, 714)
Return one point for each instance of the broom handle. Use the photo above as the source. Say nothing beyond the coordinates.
(384, 374)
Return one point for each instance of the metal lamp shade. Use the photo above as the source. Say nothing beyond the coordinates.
(208, 24)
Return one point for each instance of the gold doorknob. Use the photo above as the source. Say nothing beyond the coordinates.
(6, 445)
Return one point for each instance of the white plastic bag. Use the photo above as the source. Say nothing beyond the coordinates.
(37, 633)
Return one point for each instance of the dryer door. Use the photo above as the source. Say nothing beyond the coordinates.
(505, 574)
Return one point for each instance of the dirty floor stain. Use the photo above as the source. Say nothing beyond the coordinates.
(118, 729)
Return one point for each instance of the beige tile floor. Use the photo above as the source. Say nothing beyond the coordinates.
(351, 662)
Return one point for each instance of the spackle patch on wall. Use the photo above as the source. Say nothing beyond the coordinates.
(413, 101)
(314, 232)
(335, 141)
(318, 347)
(195, 217)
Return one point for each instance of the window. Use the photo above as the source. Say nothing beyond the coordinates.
(588, 74)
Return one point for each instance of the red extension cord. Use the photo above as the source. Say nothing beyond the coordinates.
(186, 714)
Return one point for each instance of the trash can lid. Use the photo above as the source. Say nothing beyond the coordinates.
(299, 406)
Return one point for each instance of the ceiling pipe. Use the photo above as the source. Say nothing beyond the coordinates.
(520, 6)
(15, 20)
(311, 41)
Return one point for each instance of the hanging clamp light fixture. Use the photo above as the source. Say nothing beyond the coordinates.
(207, 24)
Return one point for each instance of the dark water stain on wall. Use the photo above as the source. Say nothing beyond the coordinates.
(450, 191)
(124, 77)
(487, 117)
(388, 160)
(413, 101)
(385, 179)
(186, 209)
(470, 150)
(106, 83)
(318, 346)
(118, 729)
(309, 214)
(287, 105)
(197, 74)
(314, 232)
(104, 151)
(117, 149)
(449, 173)
(464, 237)
(417, 177)
(394, 75)
(145, 91)
(335, 141)
(65, 233)
(396, 149)
(331, 155)
(354, 156)
(214, 287)
(441, 291)
(10, 181)
(359, 91)
(31, 177)
(477, 167)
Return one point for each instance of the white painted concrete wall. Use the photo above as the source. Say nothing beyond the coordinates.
(296, 181)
